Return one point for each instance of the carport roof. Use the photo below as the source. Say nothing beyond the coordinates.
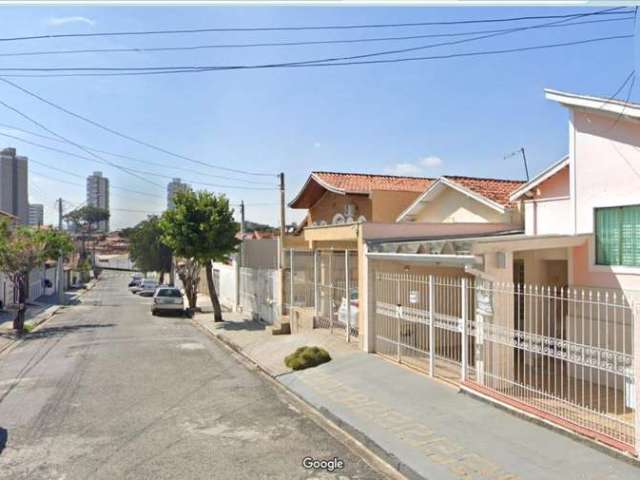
(411, 232)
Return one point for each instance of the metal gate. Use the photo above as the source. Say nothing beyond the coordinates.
(419, 322)
(336, 291)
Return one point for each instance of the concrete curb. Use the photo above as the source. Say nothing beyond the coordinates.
(356, 440)
(38, 322)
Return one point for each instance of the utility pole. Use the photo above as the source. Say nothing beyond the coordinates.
(281, 264)
(240, 257)
(60, 266)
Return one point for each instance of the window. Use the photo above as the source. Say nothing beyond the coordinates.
(618, 236)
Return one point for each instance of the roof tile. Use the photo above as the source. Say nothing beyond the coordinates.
(494, 189)
(365, 183)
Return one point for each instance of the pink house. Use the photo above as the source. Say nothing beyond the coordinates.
(582, 213)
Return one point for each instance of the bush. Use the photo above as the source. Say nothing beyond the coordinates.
(306, 357)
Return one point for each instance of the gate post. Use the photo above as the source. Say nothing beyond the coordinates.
(398, 318)
(432, 342)
(347, 293)
(331, 291)
(636, 374)
(290, 284)
(316, 293)
(463, 329)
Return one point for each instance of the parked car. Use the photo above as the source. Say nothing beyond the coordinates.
(342, 309)
(136, 278)
(135, 285)
(168, 299)
(148, 287)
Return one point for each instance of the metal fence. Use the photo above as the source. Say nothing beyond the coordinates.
(326, 283)
(563, 353)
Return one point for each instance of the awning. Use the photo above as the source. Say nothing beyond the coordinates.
(427, 259)
(401, 232)
(528, 242)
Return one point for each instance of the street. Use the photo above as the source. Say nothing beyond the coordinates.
(106, 391)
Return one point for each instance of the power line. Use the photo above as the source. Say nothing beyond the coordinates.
(613, 11)
(312, 61)
(289, 44)
(192, 70)
(128, 137)
(146, 162)
(131, 170)
(81, 147)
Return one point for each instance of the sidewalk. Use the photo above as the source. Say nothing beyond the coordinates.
(425, 428)
(38, 311)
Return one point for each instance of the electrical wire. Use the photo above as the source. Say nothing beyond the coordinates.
(128, 137)
(304, 62)
(146, 162)
(133, 171)
(192, 70)
(613, 11)
(77, 145)
(289, 44)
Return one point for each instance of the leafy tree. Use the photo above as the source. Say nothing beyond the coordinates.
(85, 219)
(146, 249)
(201, 229)
(22, 249)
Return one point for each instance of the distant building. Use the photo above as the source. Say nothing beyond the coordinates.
(176, 185)
(14, 192)
(98, 195)
(36, 214)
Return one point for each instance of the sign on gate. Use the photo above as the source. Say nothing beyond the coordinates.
(483, 302)
(413, 296)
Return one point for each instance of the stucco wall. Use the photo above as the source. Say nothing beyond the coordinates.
(584, 274)
(607, 165)
(452, 206)
(555, 186)
(543, 217)
(387, 205)
(332, 203)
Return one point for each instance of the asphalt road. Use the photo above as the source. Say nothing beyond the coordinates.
(106, 391)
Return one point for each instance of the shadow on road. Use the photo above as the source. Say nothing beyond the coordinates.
(63, 330)
(4, 435)
(248, 325)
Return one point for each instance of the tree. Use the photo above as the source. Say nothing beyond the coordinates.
(22, 249)
(201, 229)
(85, 219)
(146, 249)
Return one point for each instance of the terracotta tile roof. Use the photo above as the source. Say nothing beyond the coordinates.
(364, 182)
(494, 189)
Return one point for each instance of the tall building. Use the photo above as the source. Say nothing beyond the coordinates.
(176, 185)
(36, 214)
(14, 190)
(98, 195)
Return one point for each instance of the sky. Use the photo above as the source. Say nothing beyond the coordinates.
(458, 116)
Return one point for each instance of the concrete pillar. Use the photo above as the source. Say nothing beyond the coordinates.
(367, 302)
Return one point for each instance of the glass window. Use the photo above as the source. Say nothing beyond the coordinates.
(618, 236)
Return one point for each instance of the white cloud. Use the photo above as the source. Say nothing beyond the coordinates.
(317, 144)
(61, 21)
(431, 161)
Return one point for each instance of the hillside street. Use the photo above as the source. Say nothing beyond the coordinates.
(104, 390)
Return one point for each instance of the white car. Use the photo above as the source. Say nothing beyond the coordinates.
(148, 287)
(168, 299)
(342, 310)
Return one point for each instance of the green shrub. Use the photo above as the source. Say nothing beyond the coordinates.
(305, 357)
(28, 327)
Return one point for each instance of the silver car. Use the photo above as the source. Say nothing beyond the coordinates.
(168, 299)
(148, 287)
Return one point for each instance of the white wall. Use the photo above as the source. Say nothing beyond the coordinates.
(227, 283)
(547, 216)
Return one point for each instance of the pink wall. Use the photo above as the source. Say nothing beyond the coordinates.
(607, 164)
(584, 276)
(555, 186)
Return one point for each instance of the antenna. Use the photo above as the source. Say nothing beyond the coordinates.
(524, 159)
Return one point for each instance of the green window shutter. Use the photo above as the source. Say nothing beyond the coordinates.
(608, 238)
(630, 232)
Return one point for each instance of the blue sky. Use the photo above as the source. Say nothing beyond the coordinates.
(456, 117)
